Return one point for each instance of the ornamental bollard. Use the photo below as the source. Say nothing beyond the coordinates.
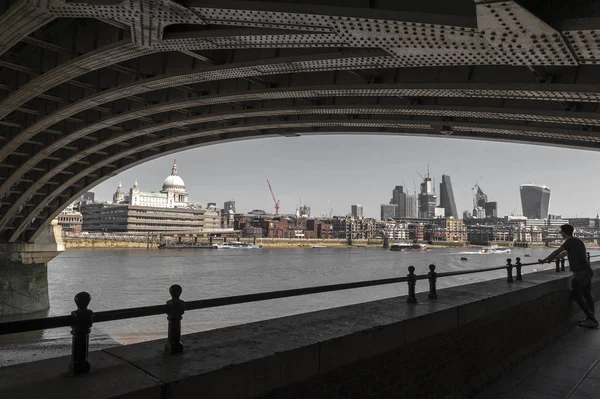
(81, 323)
(412, 282)
(562, 264)
(175, 310)
(509, 268)
(557, 264)
(432, 280)
(518, 265)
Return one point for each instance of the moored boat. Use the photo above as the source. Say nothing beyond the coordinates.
(407, 247)
(235, 245)
(178, 245)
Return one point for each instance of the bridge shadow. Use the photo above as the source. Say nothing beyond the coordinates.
(567, 368)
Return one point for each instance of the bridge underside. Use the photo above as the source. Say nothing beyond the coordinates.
(91, 88)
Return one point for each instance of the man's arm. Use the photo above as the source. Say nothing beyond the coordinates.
(559, 253)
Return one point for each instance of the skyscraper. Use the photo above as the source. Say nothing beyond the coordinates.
(388, 211)
(491, 209)
(399, 199)
(411, 206)
(447, 197)
(479, 201)
(427, 199)
(480, 197)
(535, 200)
(356, 211)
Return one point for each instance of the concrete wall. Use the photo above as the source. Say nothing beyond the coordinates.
(380, 349)
(24, 273)
(73, 243)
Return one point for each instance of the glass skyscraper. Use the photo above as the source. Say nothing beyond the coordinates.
(399, 199)
(535, 200)
(356, 211)
(388, 211)
(447, 197)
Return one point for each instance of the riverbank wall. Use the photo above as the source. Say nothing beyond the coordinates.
(80, 243)
(83, 242)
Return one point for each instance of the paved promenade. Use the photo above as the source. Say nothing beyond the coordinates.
(567, 368)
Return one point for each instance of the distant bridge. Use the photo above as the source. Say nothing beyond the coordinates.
(89, 89)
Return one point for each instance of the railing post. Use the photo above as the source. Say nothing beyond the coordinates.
(412, 282)
(557, 263)
(562, 264)
(588, 257)
(509, 268)
(175, 310)
(82, 320)
(432, 280)
(518, 266)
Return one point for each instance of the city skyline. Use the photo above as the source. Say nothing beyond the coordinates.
(320, 169)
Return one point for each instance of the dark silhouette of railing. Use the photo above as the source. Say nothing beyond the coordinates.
(81, 320)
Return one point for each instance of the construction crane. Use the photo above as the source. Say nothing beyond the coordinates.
(275, 201)
(326, 214)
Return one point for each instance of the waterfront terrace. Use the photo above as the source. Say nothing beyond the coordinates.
(452, 342)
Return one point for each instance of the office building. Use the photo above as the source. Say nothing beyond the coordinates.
(126, 218)
(88, 197)
(480, 198)
(388, 211)
(399, 198)
(70, 220)
(356, 211)
(411, 207)
(491, 209)
(447, 197)
(535, 200)
(427, 199)
(439, 212)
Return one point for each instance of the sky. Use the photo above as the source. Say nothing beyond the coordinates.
(364, 169)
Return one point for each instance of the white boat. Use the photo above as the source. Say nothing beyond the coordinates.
(319, 246)
(235, 245)
(406, 247)
(494, 250)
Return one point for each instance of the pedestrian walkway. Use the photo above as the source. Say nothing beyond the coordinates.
(567, 368)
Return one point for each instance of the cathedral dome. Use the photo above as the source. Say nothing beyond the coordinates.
(173, 182)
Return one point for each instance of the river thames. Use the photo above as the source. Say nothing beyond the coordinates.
(129, 278)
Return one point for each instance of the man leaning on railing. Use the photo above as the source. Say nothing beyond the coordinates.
(581, 284)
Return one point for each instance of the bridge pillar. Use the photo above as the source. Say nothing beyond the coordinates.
(24, 272)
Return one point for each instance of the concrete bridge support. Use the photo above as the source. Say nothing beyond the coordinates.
(24, 272)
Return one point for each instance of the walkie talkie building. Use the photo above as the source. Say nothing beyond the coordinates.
(535, 199)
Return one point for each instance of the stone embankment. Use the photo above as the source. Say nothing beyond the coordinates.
(86, 242)
(75, 243)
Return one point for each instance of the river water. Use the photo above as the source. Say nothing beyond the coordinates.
(129, 278)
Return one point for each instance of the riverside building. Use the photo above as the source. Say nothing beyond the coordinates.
(147, 211)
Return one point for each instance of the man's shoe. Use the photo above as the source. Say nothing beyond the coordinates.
(589, 323)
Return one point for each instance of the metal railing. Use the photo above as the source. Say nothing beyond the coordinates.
(82, 319)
